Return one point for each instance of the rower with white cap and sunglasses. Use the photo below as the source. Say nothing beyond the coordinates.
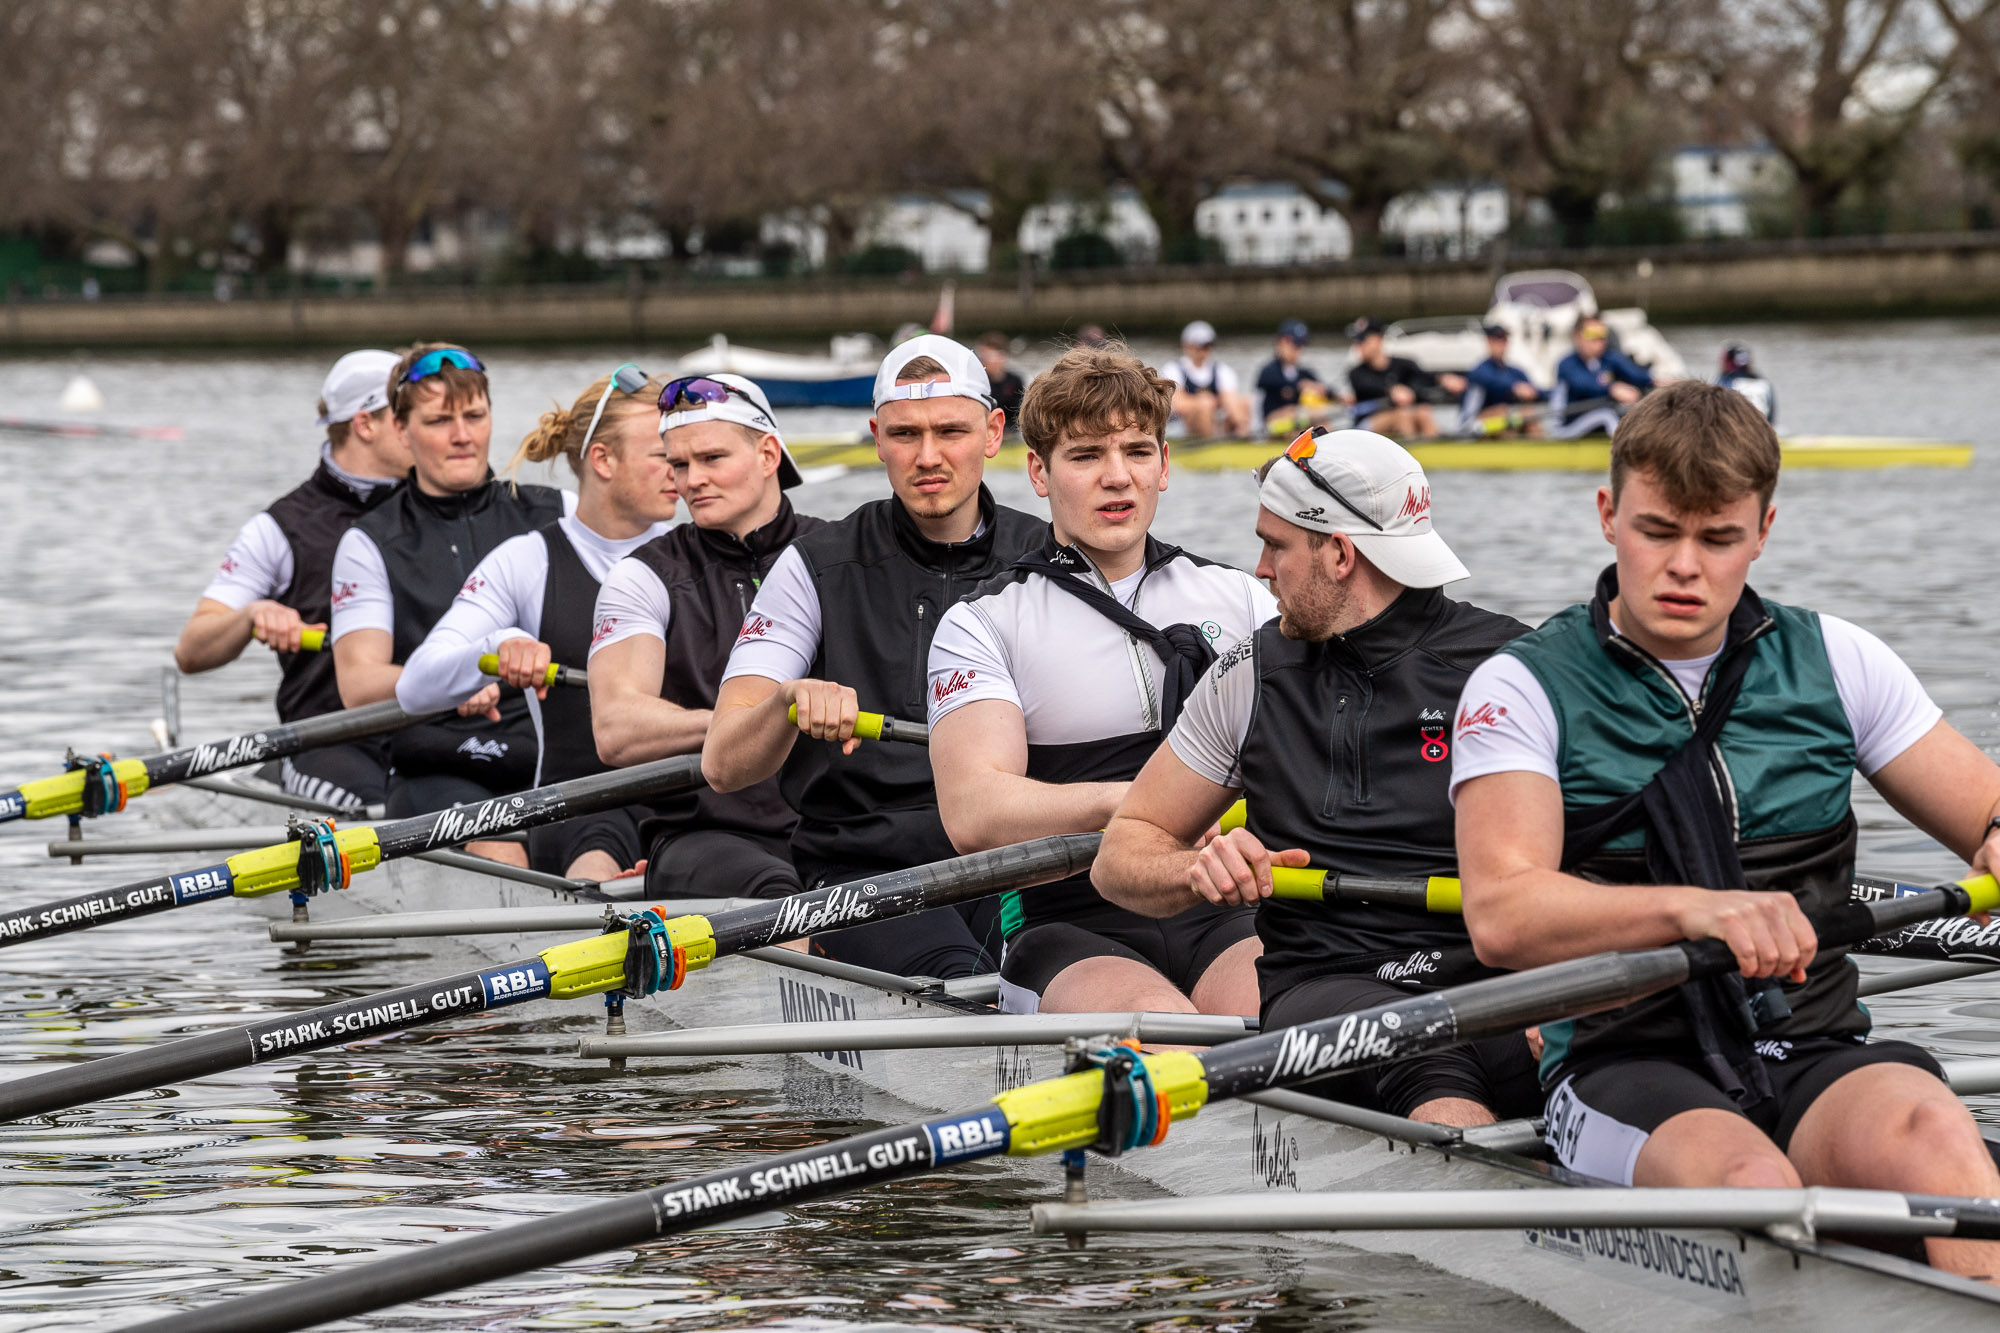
(1333, 722)
(531, 603)
(666, 619)
(844, 622)
(274, 582)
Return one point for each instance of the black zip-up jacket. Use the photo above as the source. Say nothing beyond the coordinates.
(883, 586)
(711, 578)
(313, 517)
(1348, 757)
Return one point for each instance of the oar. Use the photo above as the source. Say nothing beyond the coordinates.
(1128, 1102)
(101, 785)
(652, 954)
(1440, 893)
(489, 663)
(325, 858)
(879, 727)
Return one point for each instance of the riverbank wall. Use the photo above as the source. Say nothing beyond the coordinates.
(1748, 281)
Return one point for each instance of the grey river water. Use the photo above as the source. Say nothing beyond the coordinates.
(118, 1212)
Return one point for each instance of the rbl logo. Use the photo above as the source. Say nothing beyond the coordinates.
(755, 627)
(343, 593)
(952, 684)
(600, 631)
(472, 585)
(1471, 719)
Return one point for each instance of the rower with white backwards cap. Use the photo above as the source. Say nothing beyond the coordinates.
(843, 622)
(1331, 722)
(667, 617)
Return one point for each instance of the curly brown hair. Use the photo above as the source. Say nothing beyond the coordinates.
(1094, 391)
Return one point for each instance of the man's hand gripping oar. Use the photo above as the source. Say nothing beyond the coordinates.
(650, 952)
(1121, 1102)
(320, 857)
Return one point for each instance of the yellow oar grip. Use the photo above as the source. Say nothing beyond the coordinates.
(1235, 817)
(1060, 1113)
(272, 869)
(63, 793)
(312, 640)
(868, 726)
(489, 664)
(1985, 892)
(1441, 895)
(1287, 882)
(596, 965)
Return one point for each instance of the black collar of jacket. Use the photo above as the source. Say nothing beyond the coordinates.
(456, 505)
(1747, 623)
(324, 481)
(759, 542)
(1068, 558)
(1397, 628)
(945, 557)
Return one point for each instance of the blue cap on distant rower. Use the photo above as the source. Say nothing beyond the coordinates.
(1296, 330)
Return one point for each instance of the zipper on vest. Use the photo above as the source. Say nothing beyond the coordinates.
(1338, 753)
(1357, 730)
(921, 653)
(742, 600)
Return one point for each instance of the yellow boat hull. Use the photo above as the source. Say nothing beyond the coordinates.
(1589, 455)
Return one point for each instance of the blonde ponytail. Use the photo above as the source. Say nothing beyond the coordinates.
(560, 432)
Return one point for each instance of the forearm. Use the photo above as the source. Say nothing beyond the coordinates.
(212, 638)
(632, 729)
(444, 672)
(748, 740)
(367, 683)
(997, 808)
(1144, 868)
(1531, 916)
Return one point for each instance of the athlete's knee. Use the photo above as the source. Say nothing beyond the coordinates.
(1757, 1171)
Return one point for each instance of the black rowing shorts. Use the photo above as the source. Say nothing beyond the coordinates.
(720, 863)
(1498, 1072)
(1180, 948)
(1599, 1119)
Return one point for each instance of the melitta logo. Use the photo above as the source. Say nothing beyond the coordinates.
(1416, 504)
(1302, 1054)
(1419, 964)
(233, 753)
(345, 592)
(461, 825)
(600, 631)
(1067, 558)
(1955, 932)
(946, 687)
(472, 585)
(841, 906)
(1431, 715)
(754, 627)
(1780, 1051)
(1472, 719)
(484, 751)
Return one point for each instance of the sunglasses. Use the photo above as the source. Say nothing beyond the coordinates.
(430, 363)
(628, 378)
(696, 390)
(1301, 451)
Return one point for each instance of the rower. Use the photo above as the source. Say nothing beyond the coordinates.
(399, 567)
(844, 622)
(1292, 395)
(530, 603)
(1208, 398)
(666, 619)
(1739, 374)
(276, 578)
(1681, 733)
(1052, 685)
(992, 350)
(1331, 722)
(1595, 384)
(1496, 390)
(1385, 392)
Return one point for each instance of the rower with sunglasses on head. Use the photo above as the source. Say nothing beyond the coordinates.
(666, 619)
(531, 601)
(1331, 723)
(398, 569)
(274, 581)
(843, 622)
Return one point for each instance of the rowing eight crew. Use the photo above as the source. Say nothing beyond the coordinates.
(1676, 731)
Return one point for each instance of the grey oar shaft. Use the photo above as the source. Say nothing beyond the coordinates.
(893, 1034)
(484, 921)
(1909, 978)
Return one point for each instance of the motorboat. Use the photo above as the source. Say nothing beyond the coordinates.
(844, 377)
(1539, 309)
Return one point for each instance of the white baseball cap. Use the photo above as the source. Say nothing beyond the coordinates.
(1370, 491)
(965, 377)
(357, 384)
(1201, 333)
(747, 406)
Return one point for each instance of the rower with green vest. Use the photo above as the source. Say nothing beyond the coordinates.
(1681, 733)
(398, 569)
(530, 603)
(1331, 723)
(666, 619)
(275, 580)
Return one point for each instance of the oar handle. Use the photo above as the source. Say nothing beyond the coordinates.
(557, 674)
(879, 727)
(1438, 893)
(312, 640)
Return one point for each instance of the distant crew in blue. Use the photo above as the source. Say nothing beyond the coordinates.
(1595, 384)
(1740, 375)
(1495, 391)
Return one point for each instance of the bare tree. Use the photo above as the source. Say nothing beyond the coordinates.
(1976, 28)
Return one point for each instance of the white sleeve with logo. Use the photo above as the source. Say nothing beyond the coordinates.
(361, 595)
(501, 600)
(780, 636)
(257, 565)
(968, 662)
(631, 602)
(1505, 724)
(1887, 708)
(1208, 737)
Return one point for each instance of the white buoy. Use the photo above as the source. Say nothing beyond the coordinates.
(80, 395)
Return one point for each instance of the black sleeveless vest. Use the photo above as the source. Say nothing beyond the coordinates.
(569, 605)
(313, 517)
(1348, 757)
(883, 586)
(711, 578)
(430, 545)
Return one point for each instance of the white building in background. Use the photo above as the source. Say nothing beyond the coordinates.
(1263, 222)
(1447, 221)
(1119, 217)
(1718, 189)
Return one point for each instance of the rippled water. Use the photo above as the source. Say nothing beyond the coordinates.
(113, 1213)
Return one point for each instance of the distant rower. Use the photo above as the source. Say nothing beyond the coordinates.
(1496, 390)
(1738, 374)
(276, 579)
(1595, 383)
(1208, 398)
(1385, 393)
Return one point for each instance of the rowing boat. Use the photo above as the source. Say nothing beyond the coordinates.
(1474, 455)
(1607, 1278)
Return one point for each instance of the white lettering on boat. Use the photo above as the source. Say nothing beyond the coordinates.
(1642, 1251)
